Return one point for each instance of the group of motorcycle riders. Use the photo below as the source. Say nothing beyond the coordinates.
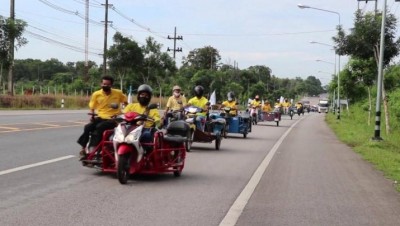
(106, 103)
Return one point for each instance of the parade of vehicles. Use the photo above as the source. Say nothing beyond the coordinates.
(121, 152)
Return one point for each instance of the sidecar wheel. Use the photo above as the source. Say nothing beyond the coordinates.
(189, 141)
(123, 169)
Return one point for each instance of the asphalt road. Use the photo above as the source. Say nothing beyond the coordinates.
(294, 174)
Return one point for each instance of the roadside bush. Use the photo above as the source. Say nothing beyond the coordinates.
(6, 101)
(47, 101)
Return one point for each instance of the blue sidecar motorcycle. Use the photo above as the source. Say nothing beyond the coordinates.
(240, 123)
(208, 129)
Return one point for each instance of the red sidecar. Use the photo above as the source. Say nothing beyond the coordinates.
(166, 154)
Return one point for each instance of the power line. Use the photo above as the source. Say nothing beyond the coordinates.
(136, 23)
(68, 46)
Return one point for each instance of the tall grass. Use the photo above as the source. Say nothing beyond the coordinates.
(353, 129)
(43, 102)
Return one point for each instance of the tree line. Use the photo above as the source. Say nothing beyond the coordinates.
(132, 65)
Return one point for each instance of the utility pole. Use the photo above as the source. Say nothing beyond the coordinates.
(86, 76)
(377, 132)
(11, 51)
(105, 39)
(175, 38)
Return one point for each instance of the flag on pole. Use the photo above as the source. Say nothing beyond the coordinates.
(281, 99)
(213, 99)
(130, 95)
(249, 102)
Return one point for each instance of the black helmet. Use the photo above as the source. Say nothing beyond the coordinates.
(144, 88)
(198, 91)
(231, 96)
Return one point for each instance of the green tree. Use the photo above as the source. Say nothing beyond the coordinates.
(363, 43)
(313, 86)
(10, 29)
(124, 57)
(203, 58)
(158, 66)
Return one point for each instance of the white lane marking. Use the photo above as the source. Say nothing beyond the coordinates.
(241, 201)
(35, 164)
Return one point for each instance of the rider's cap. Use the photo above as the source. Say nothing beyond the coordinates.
(176, 88)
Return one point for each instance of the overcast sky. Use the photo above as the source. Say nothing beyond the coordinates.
(275, 34)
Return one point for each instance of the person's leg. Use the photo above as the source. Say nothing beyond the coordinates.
(147, 137)
(97, 134)
(200, 122)
(84, 138)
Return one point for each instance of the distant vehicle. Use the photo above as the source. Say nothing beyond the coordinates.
(314, 108)
(306, 105)
(323, 106)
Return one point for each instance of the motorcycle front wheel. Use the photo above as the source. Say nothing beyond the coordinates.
(123, 169)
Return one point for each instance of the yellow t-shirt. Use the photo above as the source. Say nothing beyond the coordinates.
(255, 103)
(172, 102)
(101, 102)
(153, 114)
(232, 105)
(278, 105)
(266, 108)
(286, 104)
(298, 105)
(200, 103)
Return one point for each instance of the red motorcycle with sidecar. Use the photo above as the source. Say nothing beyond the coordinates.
(122, 152)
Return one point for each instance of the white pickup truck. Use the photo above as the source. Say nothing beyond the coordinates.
(323, 106)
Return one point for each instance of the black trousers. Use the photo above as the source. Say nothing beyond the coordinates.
(95, 129)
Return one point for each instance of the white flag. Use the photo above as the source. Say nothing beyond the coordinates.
(213, 99)
(129, 98)
(249, 102)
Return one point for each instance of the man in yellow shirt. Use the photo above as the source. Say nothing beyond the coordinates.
(175, 102)
(266, 107)
(256, 103)
(106, 102)
(201, 102)
(231, 102)
(144, 95)
(286, 104)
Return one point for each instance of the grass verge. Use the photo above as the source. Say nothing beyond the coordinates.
(384, 154)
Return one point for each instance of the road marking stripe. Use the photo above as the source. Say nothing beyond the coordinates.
(241, 201)
(35, 164)
(5, 127)
(42, 128)
(46, 124)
